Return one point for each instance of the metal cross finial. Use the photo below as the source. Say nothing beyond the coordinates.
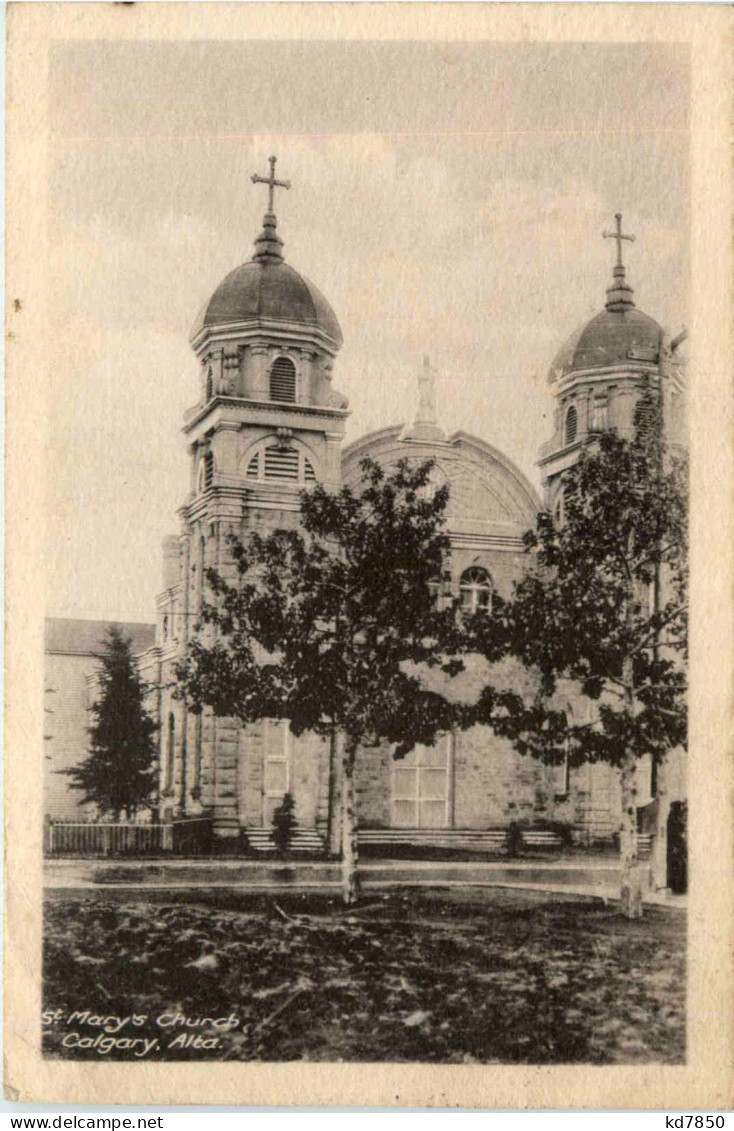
(618, 236)
(270, 182)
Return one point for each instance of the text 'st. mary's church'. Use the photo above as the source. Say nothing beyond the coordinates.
(269, 422)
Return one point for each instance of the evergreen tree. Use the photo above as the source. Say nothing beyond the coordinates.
(330, 625)
(604, 609)
(120, 773)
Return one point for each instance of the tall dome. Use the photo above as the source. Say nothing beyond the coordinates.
(267, 291)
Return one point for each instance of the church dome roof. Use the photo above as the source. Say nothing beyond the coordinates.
(268, 289)
(620, 333)
(610, 338)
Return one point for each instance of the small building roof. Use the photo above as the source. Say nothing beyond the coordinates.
(87, 637)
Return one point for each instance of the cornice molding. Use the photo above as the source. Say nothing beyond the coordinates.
(322, 417)
(597, 375)
(264, 328)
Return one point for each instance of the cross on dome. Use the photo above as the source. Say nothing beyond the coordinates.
(619, 295)
(269, 244)
(271, 182)
(618, 236)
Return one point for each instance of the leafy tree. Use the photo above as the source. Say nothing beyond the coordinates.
(330, 625)
(604, 608)
(120, 774)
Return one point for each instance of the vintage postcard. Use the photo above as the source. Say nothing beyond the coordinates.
(369, 555)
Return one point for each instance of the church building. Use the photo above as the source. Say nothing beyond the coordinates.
(269, 423)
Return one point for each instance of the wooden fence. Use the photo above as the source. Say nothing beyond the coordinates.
(126, 838)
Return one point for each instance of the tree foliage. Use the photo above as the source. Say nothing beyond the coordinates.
(333, 626)
(327, 625)
(120, 773)
(604, 605)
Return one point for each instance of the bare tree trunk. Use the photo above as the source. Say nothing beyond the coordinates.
(631, 888)
(659, 862)
(333, 830)
(350, 850)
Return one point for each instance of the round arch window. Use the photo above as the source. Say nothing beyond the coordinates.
(283, 380)
(475, 590)
(572, 424)
(206, 473)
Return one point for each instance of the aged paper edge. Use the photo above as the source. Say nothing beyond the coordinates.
(706, 1080)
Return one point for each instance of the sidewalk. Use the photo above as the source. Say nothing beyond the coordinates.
(593, 877)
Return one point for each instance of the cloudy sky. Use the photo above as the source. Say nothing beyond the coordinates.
(448, 199)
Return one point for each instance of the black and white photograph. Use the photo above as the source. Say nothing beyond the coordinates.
(363, 719)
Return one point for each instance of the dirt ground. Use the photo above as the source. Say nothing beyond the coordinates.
(467, 976)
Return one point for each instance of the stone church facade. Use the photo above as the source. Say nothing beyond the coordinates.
(268, 423)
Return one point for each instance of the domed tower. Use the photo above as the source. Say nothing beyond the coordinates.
(267, 425)
(268, 421)
(598, 374)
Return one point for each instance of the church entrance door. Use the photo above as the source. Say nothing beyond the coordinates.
(420, 787)
(277, 741)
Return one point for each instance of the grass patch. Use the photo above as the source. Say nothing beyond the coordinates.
(451, 976)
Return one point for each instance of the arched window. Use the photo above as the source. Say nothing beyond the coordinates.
(562, 770)
(209, 385)
(644, 418)
(201, 569)
(278, 464)
(206, 473)
(475, 590)
(283, 380)
(171, 752)
(572, 424)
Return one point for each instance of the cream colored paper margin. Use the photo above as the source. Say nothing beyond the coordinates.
(706, 1081)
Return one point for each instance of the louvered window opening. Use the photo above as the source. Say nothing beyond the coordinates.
(644, 419)
(572, 423)
(283, 465)
(283, 380)
(208, 470)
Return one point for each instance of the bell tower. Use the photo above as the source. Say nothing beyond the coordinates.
(598, 375)
(267, 425)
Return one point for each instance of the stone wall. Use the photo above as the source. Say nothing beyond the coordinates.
(65, 724)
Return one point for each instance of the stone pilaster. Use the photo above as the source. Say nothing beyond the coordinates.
(225, 448)
(226, 753)
(208, 772)
(256, 373)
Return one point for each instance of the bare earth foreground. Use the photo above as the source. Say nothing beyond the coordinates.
(444, 976)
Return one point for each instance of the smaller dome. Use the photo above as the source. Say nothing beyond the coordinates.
(619, 334)
(610, 338)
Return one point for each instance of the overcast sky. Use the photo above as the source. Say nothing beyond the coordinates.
(447, 199)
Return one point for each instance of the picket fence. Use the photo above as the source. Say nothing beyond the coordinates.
(135, 838)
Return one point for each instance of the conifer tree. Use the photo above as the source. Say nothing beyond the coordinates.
(329, 626)
(604, 609)
(120, 773)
